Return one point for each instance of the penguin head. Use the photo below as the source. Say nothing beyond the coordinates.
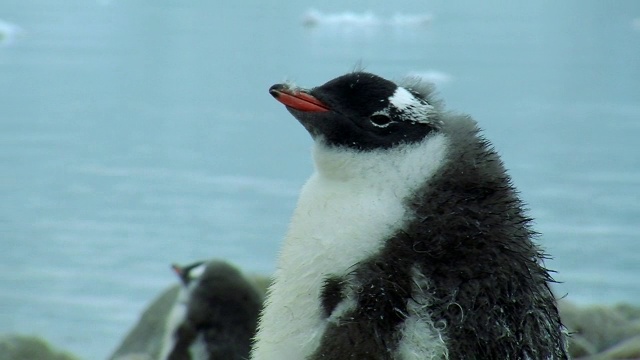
(361, 111)
(189, 273)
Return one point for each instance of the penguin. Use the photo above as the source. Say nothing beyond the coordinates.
(220, 316)
(409, 240)
(188, 276)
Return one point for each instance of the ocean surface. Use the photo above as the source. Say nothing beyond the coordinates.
(134, 134)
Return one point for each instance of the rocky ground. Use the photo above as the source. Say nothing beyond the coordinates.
(602, 332)
(597, 333)
(18, 347)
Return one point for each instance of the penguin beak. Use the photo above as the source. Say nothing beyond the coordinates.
(177, 269)
(298, 99)
(180, 271)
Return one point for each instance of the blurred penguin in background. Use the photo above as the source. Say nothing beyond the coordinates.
(215, 316)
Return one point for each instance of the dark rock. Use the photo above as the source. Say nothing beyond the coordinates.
(145, 339)
(627, 349)
(602, 332)
(22, 347)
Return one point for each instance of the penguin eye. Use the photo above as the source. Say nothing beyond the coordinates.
(380, 120)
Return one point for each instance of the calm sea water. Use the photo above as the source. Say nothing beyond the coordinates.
(134, 134)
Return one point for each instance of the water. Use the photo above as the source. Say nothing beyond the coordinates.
(134, 134)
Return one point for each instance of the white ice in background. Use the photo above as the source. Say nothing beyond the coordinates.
(315, 17)
(435, 77)
(635, 24)
(399, 19)
(9, 32)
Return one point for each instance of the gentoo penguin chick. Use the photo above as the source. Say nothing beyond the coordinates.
(188, 276)
(222, 309)
(408, 241)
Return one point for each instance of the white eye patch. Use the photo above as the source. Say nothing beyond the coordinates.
(413, 108)
(402, 98)
(197, 271)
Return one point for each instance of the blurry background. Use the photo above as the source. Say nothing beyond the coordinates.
(134, 134)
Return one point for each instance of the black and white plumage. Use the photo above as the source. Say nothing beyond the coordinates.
(408, 241)
(220, 314)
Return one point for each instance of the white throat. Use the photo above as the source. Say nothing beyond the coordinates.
(354, 201)
(174, 320)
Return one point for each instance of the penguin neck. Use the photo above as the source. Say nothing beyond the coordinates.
(363, 195)
(402, 168)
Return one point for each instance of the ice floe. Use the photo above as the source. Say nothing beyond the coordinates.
(314, 18)
(9, 33)
(436, 77)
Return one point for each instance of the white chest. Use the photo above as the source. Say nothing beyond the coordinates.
(334, 227)
(174, 319)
